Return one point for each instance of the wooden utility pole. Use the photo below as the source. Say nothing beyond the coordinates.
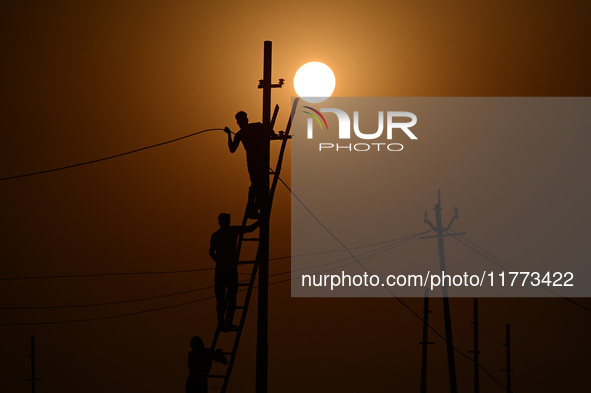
(508, 346)
(440, 234)
(476, 351)
(33, 378)
(262, 358)
(425, 343)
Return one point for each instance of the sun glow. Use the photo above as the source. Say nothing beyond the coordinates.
(314, 82)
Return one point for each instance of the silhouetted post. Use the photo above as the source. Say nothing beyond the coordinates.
(32, 356)
(439, 229)
(476, 350)
(508, 369)
(262, 366)
(446, 309)
(268, 53)
(425, 341)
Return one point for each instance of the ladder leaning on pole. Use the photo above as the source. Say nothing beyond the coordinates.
(249, 284)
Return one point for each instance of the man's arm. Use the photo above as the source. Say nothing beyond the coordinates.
(212, 250)
(273, 134)
(219, 356)
(232, 145)
(250, 228)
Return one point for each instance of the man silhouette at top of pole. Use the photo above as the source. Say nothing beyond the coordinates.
(255, 138)
(223, 250)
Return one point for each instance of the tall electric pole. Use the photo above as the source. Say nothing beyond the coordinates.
(262, 358)
(33, 378)
(508, 353)
(425, 343)
(476, 350)
(440, 234)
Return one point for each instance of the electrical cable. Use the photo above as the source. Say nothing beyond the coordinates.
(483, 253)
(115, 315)
(106, 303)
(177, 271)
(400, 242)
(109, 157)
(104, 274)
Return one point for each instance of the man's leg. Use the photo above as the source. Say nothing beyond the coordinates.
(251, 209)
(259, 180)
(259, 174)
(231, 296)
(220, 297)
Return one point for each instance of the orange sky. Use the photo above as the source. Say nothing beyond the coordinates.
(83, 81)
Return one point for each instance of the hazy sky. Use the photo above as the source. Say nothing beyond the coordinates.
(84, 80)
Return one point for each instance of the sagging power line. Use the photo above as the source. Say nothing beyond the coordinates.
(109, 157)
(386, 243)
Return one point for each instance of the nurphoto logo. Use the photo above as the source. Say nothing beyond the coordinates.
(396, 121)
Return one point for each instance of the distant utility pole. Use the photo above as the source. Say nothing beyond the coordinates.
(508, 369)
(476, 351)
(425, 341)
(262, 366)
(33, 379)
(440, 234)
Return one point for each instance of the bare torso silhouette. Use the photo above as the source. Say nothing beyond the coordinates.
(255, 138)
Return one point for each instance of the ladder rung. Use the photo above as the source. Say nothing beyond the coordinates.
(216, 376)
(250, 239)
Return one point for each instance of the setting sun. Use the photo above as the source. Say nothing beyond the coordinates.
(314, 81)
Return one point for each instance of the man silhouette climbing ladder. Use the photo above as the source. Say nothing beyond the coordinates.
(255, 138)
(199, 362)
(223, 251)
